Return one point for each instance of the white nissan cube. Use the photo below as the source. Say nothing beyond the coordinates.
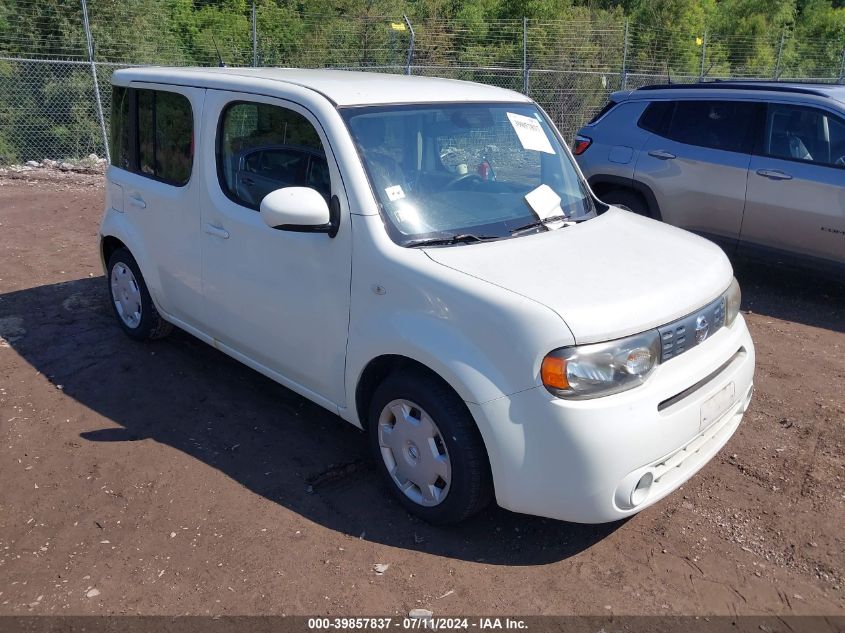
(423, 258)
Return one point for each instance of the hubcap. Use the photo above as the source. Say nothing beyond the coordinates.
(414, 452)
(126, 295)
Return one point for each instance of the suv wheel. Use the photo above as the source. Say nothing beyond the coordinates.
(628, 200)
(131, 300)
(428, 449)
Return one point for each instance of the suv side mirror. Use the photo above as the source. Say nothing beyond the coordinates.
(300, 209)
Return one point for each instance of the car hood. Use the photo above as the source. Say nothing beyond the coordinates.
(614, 275)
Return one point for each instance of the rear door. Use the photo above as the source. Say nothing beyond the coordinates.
(796, 185)
(155, 179)
(696, 163)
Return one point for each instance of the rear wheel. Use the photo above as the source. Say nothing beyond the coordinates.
(428, 449)
(629, 200)
(131, 300)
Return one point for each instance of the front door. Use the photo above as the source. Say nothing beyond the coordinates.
(279, 298)
(796, 185)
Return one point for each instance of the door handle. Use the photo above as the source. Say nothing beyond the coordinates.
(662, 154)
(137, 201)
(216, 231)
(773, 174)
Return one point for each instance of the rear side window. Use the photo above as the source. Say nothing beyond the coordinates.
(262, 147)
(152, 134)
(724, 125)
(656, 117)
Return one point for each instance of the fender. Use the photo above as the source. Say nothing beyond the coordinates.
(466, 367)
(485, 341)
(627, 183)
(115, 224)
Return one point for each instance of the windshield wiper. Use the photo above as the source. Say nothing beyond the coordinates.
(460, 238)
(538, 223)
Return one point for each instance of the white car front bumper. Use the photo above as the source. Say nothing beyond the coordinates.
(582, 460)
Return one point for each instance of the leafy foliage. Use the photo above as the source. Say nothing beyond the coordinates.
(575, 50)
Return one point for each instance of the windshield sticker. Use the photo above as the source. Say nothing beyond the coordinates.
(394, 193)
(530, 133)
(545, 203)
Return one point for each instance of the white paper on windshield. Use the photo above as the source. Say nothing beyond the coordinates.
(394, 193)
(530, 133)
(544, 202)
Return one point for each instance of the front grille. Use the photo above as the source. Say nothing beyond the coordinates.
(687, 332)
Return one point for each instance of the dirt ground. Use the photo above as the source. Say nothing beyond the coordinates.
(169, 479)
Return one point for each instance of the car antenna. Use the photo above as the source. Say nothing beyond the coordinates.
(220, 61)
(668, 74)
(707, 72)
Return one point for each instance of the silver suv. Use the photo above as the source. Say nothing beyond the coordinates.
(758, 167)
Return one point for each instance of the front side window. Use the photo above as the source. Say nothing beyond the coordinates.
(724, 125)
(262, 147)
(806, 134)
(447, 170)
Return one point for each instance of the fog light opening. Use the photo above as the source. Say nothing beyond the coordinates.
(641, 490)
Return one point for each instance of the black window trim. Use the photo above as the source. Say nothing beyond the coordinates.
(134, 146)
(759, 141)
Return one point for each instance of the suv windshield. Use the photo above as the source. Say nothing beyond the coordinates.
(458, 172)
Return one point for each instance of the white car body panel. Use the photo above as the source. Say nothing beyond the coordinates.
(162, 221)
(424, 314)
(576, 455)
(312, 312)
(337, 87)
(272, 295)
(623, 262)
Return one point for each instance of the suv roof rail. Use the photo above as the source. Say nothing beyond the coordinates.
(768, 86)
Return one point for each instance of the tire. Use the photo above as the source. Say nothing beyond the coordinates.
(628, 200)
(127, 290)
(468, 487)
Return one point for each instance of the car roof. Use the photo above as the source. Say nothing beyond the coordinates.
(736, 88)
(341, 87)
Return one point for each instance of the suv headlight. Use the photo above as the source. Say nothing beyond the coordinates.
(600, 369)
(733, 297)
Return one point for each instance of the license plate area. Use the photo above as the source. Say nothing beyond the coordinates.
(716, 405)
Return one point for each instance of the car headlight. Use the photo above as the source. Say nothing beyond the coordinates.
(733, 297)
(600, 369)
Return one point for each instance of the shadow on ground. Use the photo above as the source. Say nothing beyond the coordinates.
(792, 295)
(185, 394)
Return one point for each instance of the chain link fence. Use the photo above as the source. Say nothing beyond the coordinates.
(57, 58)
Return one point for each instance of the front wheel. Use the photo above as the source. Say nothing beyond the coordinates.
(428, 449)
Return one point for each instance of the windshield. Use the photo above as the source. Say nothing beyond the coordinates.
(466, 170)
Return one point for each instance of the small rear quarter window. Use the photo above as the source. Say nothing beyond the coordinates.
(607, 108)
(120, 128)
(656, 117)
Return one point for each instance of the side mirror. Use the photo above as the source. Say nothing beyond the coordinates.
(300, 209)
